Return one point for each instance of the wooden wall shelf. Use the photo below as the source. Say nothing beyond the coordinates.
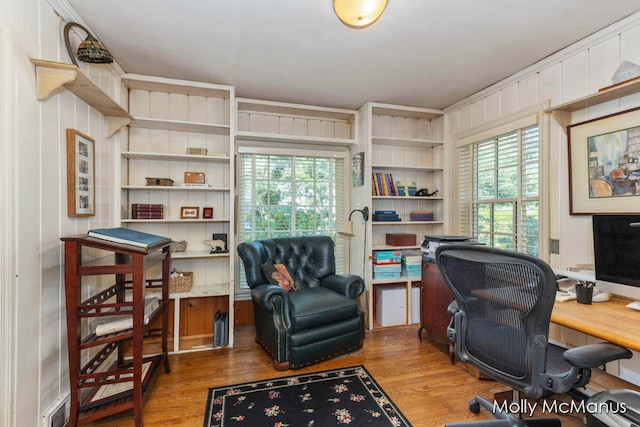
(50, 76)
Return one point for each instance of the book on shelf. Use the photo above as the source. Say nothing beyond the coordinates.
(386, 217)
(127, 236)
(382, 184)
(110, 324)
(147, 207)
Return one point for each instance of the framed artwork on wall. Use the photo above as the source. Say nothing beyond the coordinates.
(81, 195)
(604, 164)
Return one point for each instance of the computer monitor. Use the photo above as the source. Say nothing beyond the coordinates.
(616, 241)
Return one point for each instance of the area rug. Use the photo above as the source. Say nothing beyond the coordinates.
(347, 396)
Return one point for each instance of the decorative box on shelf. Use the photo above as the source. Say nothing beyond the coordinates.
(387, 257)
(180, 282)
(401, 239)
(197, 151)
(194, 177)
(421, 215)
(159, 182)
(387, 271)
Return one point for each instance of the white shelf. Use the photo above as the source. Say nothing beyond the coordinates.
(562, 112)
(407, 222)
(408, 198)
(197, 292)
(174, 157)
(394, 248)
(405, 142)
(401, 279)
(50, 76)
(177, 125)
(171, 188)
(407, 168)
(175, 220)
(299, 139)
(198, 254)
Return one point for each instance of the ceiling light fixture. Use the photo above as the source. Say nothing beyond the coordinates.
(90, 50)
(359, 13)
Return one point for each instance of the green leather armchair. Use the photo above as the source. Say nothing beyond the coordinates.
(320, 319)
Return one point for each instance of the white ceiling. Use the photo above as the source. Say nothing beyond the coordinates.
(428, 53)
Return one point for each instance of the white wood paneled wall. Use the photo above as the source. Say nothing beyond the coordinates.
(577, 71)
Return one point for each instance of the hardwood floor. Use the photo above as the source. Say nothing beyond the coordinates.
(417, 376)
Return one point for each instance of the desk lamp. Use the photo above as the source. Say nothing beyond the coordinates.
(347, 230)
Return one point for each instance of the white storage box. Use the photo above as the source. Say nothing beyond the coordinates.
(391, 305)
(415, 305)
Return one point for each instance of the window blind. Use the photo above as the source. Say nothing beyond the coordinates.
(283, 195)
(499, 190)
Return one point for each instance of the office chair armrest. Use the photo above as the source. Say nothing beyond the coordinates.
(593, 355)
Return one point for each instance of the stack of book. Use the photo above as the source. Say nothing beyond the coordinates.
(421, 215)
(147, 211)
(220, 329)
(386, 216)
(387, 264)
(412, 264)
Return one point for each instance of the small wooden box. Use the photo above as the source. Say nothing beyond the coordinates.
(166, 182)
(197, 151)
(401, 239)
(194, 177)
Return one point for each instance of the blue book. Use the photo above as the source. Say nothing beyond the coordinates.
(127, 236)
(385, 212)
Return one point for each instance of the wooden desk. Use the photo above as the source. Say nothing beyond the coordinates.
(610, 321)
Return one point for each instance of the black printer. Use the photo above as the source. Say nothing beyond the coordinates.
(431, 243)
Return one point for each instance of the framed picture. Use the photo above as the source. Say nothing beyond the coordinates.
(357, 169)
(189, 212)
(81, 195)
(207, 213)
(604, 164)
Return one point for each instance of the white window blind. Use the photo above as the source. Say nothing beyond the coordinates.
(499, 190)
(290, 195)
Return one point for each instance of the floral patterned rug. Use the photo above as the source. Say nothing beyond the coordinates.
(348, 396)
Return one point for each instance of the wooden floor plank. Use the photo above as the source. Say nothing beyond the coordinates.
(417, 375)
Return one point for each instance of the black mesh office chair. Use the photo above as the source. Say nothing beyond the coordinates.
(500, 323)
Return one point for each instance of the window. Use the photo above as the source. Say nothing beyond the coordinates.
(282, 195)
(499, 190)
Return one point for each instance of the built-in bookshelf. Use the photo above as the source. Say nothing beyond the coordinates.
(182, 126)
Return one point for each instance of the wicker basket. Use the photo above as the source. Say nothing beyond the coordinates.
(180, 246)
(182, 283)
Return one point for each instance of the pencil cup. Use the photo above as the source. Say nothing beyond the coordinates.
(584, 294)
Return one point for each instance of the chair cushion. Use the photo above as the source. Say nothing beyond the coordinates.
(277, 274)
(312, 307)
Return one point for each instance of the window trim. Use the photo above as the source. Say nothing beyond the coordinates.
(510, 123)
